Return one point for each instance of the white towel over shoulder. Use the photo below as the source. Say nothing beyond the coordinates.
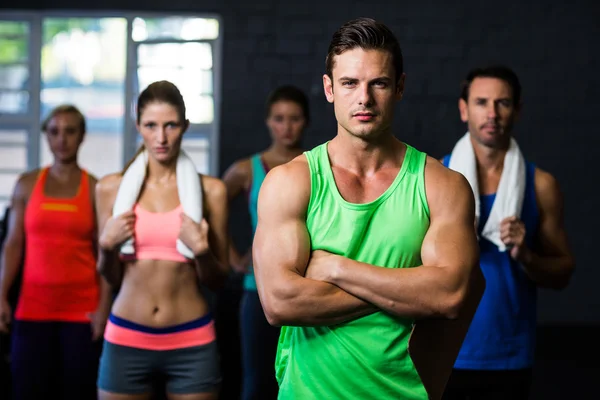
(188, 186)
(511, 189)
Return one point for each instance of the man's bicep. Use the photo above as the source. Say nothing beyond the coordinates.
(281, 248)
(281, 241)
(451, 239)
(552, 238)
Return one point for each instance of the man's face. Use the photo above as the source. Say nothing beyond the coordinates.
(489, 111)
(364, 89)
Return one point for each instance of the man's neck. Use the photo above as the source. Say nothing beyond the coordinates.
(364, 157)
(489, 159)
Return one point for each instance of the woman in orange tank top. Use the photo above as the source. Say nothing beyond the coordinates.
(63, 303)
(160, 323)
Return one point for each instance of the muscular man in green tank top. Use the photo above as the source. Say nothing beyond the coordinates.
(362, 236)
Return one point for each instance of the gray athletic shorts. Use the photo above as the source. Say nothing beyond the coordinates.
(130, 370)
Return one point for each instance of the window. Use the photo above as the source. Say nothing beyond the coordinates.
(15, 93)
(100, 63)
(84, 63)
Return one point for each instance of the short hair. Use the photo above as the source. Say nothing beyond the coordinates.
(288, 93)
(367, 34)
(493, 71)
(64, 109)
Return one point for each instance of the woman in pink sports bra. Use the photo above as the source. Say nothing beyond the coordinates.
(160, 324)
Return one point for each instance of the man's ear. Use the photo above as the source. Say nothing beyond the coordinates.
(400, 86)
(328, 87)
(462, 108)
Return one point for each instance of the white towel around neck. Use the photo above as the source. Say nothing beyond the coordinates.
(188, 186)
(511, 189)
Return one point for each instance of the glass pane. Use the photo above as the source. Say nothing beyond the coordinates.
(182, 28)
(13, 157)
(4, 203)
(14, 50)
(186, 55)
(13, 102)
(84, 64)
(198, 150)
(200, 110)
(14, 76)
(189, 81)
(101, 154)
(7, 184)
(16, 137)
(13, 28)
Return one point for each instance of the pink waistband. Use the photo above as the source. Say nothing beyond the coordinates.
(159, 341)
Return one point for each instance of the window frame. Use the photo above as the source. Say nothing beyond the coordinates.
(31, 120)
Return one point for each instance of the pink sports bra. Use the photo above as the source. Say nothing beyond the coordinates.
(156, 235)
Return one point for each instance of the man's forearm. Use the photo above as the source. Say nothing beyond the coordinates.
(307, 302)
(548, 272)
(418, 292)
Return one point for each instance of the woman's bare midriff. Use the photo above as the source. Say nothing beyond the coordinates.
(159, 294)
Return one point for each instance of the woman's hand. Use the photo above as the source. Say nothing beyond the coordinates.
(117, 230)
(194, 235)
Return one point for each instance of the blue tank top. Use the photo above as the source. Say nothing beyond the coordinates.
(258, 176)
(502, 333)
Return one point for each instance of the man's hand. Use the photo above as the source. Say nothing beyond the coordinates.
(322, 266)
(512, 233)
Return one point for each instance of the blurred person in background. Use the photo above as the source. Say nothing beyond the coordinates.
(63, 303)
(287, 116)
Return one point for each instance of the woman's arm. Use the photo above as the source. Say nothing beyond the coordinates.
(12, 251)
(237, 178)
(109, 265)
(212, 263)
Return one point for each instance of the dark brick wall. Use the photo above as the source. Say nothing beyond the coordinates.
(553, 46)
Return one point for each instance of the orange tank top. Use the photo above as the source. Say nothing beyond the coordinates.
(59, 276)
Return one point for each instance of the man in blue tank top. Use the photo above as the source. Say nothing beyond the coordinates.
(523, 244)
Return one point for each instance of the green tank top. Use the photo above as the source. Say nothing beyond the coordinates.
(366, 358)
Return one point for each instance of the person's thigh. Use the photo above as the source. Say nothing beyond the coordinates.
(259, 348)
(125, 371)
(192, 371)
(33, 359)
(79, 361)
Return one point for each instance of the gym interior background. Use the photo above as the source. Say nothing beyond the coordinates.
(552, 46)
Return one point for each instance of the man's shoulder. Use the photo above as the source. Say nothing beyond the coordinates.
(445, 187)
(287, 186)
(291, 173)
(547, 189)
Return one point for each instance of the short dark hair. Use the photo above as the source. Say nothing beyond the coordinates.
(288, 93)
(64, 109)
(493, 71)
(367, 34)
